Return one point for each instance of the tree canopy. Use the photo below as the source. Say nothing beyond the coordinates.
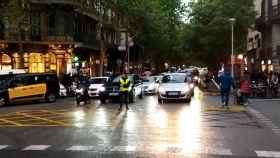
(156, 24)
(207, 37)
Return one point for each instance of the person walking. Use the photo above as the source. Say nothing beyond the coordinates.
(225, 82)
(124, 91)
(245, 90)
(275, 84)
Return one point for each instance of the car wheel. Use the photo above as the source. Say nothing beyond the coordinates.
(141, 95)
(50, 98)
(2, 102)
(188, 100)
(160, 101)
(102, 100)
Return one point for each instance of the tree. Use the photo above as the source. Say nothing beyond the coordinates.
(157, 25)
(207, 37)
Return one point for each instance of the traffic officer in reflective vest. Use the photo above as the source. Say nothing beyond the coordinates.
(124, 91)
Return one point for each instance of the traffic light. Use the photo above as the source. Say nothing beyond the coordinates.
(76, 59)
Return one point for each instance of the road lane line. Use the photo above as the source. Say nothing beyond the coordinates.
(43, 119)
(3, 147)
(261, 117)
(11, 122)
(80, 148)
(36, 147)
(271, 154)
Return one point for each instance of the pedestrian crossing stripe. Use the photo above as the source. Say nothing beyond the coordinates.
(158, 149)
(37, 147)
(271, 154)
(234, 108)
(265, 120)
(3, 147)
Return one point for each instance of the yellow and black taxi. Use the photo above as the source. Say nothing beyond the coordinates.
(28, 87)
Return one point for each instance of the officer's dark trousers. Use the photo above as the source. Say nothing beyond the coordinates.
(124, 99)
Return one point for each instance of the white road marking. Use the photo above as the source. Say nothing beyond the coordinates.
(217, 151)
(80, 148)
(128, 148)
(3, 147)
(272, 154)
(37, 147)
(265, 120)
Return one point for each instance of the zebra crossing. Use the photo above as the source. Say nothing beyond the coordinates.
(165, 149)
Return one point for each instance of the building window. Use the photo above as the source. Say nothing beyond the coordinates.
(36, 63)
(52, 62)
(6, 62)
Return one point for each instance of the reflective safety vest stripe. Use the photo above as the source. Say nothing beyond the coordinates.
(123, 86)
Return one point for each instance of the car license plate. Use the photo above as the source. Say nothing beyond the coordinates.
(113, 94)
(173, 93)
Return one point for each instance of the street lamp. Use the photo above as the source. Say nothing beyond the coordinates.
(232, 22)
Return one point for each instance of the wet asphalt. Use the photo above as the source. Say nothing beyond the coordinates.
(147, 129)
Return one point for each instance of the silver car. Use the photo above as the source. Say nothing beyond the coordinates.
(174, 86)
(97, 85)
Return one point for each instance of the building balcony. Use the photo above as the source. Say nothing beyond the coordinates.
(274, 14)
(81, 6)
(271, 17)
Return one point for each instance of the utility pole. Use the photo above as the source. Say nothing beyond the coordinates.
(232, 21)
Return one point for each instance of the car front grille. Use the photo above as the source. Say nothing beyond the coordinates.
(170, 95)
(113, 89)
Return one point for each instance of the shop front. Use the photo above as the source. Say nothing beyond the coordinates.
(51, 60)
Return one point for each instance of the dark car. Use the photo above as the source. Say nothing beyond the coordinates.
(111, 90)
(27, 87)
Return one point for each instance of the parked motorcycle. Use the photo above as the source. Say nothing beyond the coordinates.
(258, 89)
(82, 96)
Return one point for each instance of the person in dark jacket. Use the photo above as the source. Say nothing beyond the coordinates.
(226, 82)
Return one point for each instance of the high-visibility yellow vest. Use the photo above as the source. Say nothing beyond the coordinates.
(124, 85)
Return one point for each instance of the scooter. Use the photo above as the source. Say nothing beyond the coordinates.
(82, 97)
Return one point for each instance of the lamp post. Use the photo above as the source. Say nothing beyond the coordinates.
(232, 22)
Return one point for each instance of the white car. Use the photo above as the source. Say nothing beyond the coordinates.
(97, 85)
(62, 90)
(150, 85)
(174, 86)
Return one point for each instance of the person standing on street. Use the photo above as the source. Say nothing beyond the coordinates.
(275, 84)
(245, 90)
(124, 91)
(226, 82)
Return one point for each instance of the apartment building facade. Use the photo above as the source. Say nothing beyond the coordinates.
(268, 24)
(62, 36)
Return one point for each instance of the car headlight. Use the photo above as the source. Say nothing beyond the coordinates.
(161, 90)
(102, 89)
(186, 89)
(195, 78)
(152, 86)
(191, 85)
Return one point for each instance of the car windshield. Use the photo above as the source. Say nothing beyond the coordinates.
(173, 79)
(117, 79)
(98, 81)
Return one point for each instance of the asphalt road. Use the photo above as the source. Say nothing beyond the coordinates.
(148, 129)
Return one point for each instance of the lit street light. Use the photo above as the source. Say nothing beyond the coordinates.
(232, 22)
